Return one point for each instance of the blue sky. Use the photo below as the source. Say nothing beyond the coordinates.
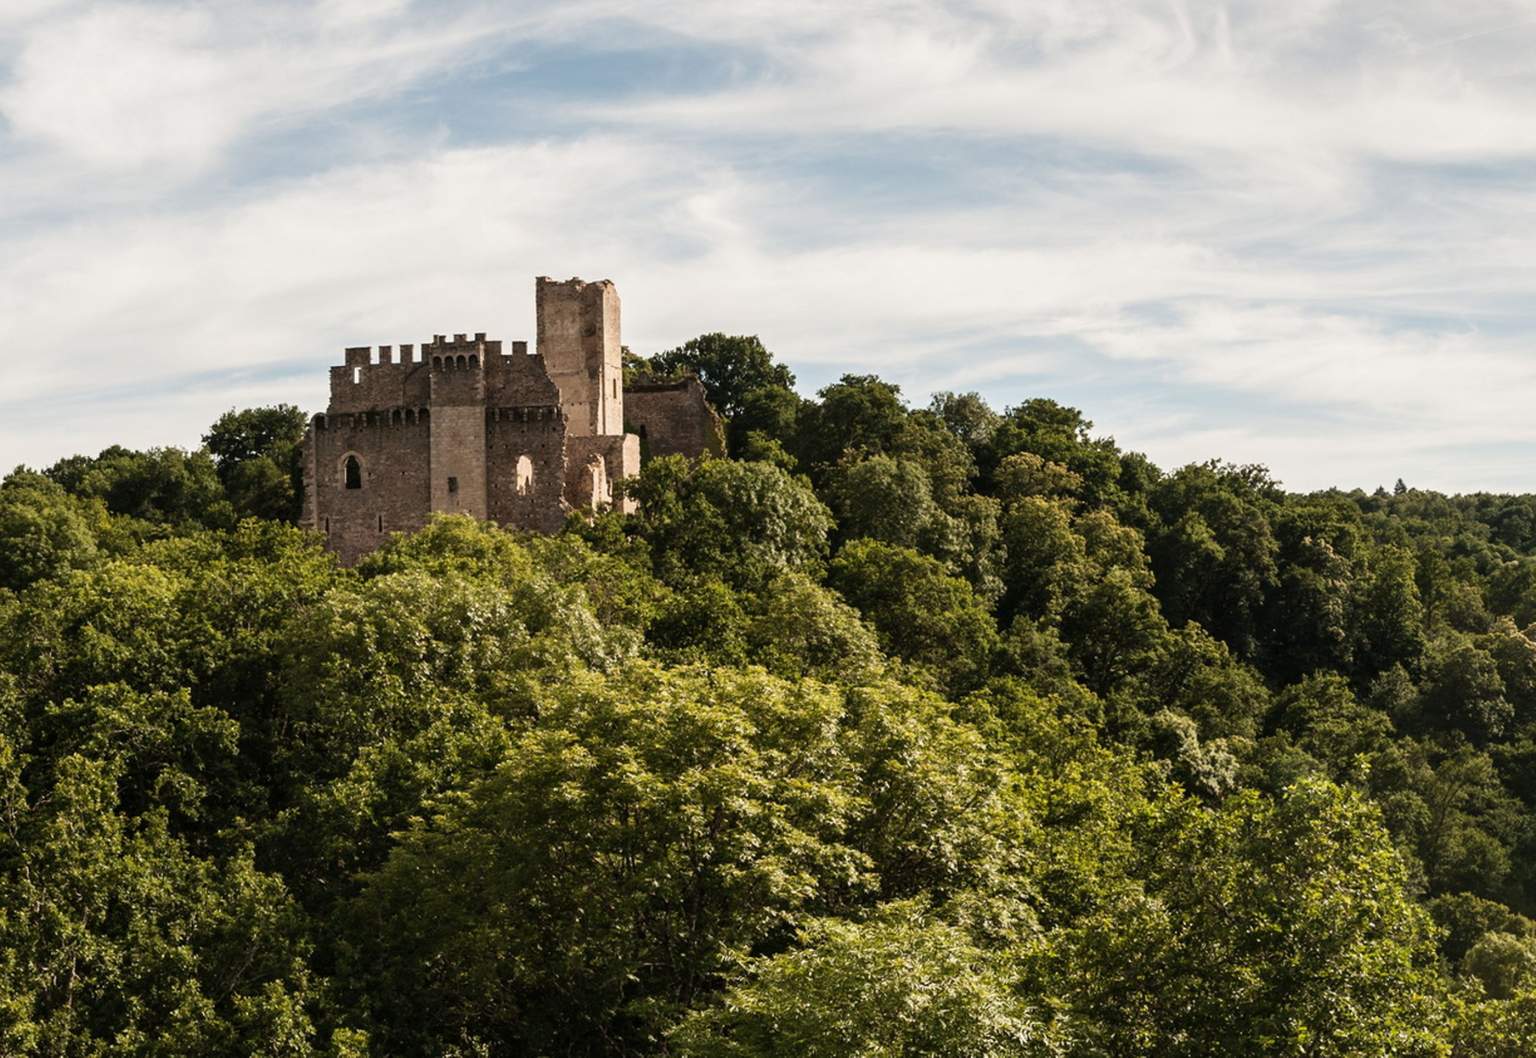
(1301, 234)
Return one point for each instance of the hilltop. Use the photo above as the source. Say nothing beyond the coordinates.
(949, 730)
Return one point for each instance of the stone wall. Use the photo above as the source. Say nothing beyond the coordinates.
(527, 495)
(673, 418)
(363, 382)
(392, 448)
(458, 426)
(458, 460)
(520, 380)
(593, 464)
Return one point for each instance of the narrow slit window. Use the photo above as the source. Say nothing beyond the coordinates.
(381, 523)
(453, 484)
(357, 375)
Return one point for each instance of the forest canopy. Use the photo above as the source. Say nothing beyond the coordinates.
(942, 731)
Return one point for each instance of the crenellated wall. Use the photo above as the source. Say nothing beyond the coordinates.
(363, 382)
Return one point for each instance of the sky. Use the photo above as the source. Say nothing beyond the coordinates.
(1297, 233)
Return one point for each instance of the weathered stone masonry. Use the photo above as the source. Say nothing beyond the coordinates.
(461, 426)
(672, 418)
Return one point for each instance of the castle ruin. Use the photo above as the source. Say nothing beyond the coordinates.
(519, 438)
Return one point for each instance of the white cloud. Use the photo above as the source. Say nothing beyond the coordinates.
(1304, 229)
(122, 88)
(1302, 87)
(139, 85)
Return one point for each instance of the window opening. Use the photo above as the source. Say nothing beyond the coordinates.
(453, 484)
(354, 473)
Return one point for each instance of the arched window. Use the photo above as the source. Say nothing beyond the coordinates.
(353, 472)
(474, 361)
(463, 362)
(524, 475)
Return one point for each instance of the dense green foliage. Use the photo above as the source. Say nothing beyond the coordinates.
(933, 732)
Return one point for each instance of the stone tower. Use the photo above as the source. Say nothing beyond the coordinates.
(578, 327)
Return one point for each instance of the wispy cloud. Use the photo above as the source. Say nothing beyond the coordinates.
(1295, 233)
(123, 86)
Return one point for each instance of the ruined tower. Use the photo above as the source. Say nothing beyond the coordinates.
(578, 327)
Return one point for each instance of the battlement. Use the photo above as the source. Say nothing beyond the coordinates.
(368, 356)
(458, 342)
(439, 346)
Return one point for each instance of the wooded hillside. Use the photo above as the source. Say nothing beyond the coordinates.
(940, 731)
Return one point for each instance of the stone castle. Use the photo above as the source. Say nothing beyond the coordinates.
(520, 438)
